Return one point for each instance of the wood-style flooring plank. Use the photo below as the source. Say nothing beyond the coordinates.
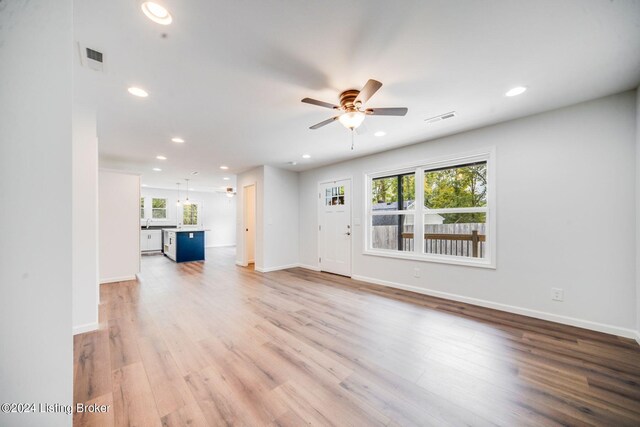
(210, 343)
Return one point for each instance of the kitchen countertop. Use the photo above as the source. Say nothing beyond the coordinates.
(185, 230)
(155, 227)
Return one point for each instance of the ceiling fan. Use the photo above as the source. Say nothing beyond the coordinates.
(351, 108)
(228, 191)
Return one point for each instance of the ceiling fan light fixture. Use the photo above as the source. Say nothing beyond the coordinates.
(351, 119)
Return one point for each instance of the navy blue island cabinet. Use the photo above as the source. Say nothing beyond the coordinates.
(183, 245)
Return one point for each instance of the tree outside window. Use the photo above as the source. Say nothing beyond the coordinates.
(190, 214)
(159, 208)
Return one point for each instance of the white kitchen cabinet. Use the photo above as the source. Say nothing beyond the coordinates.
(150, 240)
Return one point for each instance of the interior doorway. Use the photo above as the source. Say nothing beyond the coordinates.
(249, 224)
(334, 227)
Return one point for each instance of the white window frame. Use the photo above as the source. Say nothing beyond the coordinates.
(166, 204)
(418, 254)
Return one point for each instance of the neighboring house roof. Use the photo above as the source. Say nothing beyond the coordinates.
(393, 219)
(393, 206)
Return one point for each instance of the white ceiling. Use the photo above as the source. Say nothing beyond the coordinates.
(229, 75)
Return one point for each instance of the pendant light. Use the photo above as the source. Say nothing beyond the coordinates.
(186, 201)
(178, 202)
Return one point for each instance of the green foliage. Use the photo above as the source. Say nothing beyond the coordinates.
(385, 190)
(456, 187)
(459, 187)
(190, 214)
(159, 203)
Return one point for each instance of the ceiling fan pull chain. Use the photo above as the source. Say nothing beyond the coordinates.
(351, 139)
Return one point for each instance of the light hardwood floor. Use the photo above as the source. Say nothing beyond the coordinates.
(216, 344)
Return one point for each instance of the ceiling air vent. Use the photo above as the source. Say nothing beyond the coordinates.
(441, 117)
(94, 54)
(91, 58)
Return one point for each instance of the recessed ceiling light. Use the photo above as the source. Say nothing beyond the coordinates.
(224, 167)
(178, 140)
(191, 189)
(144, 185)
(159, 157)
(136, 91)
(306, 156)
(157, 169)
(156, 13)
(226, 178)
(516, 91)
(380, 133)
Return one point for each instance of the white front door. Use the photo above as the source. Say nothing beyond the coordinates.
(334, 227)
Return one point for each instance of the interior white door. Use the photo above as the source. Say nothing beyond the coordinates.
(250, 223)
(334, 227)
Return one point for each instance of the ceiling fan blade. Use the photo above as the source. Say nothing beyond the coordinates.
(319, 103)
(367, 91)
(400, 111)
(326, 122)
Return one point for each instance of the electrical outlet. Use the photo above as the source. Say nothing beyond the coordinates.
(416, 273)
(557, 294)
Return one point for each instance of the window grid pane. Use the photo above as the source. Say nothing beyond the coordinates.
(393, 232)
(456, 234)
(393, 193)
(462, 186)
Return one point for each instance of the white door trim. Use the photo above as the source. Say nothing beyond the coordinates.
(318, 213)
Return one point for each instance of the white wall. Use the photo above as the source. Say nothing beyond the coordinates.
(86, 295)
(253, 176)
(280, 216)
(119, 226)
(36, 347)
(218, 213)
(565, 216)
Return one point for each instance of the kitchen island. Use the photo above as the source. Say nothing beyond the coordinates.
(183, 244)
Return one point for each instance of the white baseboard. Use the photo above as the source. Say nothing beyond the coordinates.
(280, 267)
(566, 320)
(309, 267)
(224, 245)
(81, 329)
(242, 264)
(117, 279)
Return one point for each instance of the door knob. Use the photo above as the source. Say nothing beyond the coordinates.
(348, 233)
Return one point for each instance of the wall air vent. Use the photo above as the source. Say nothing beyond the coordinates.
(441, 117)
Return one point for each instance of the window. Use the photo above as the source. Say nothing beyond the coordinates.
(455, 200)
(393, 200)
(141, 207)
(159, 208)
(334, 196)
(437, 211)
(190, 214)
